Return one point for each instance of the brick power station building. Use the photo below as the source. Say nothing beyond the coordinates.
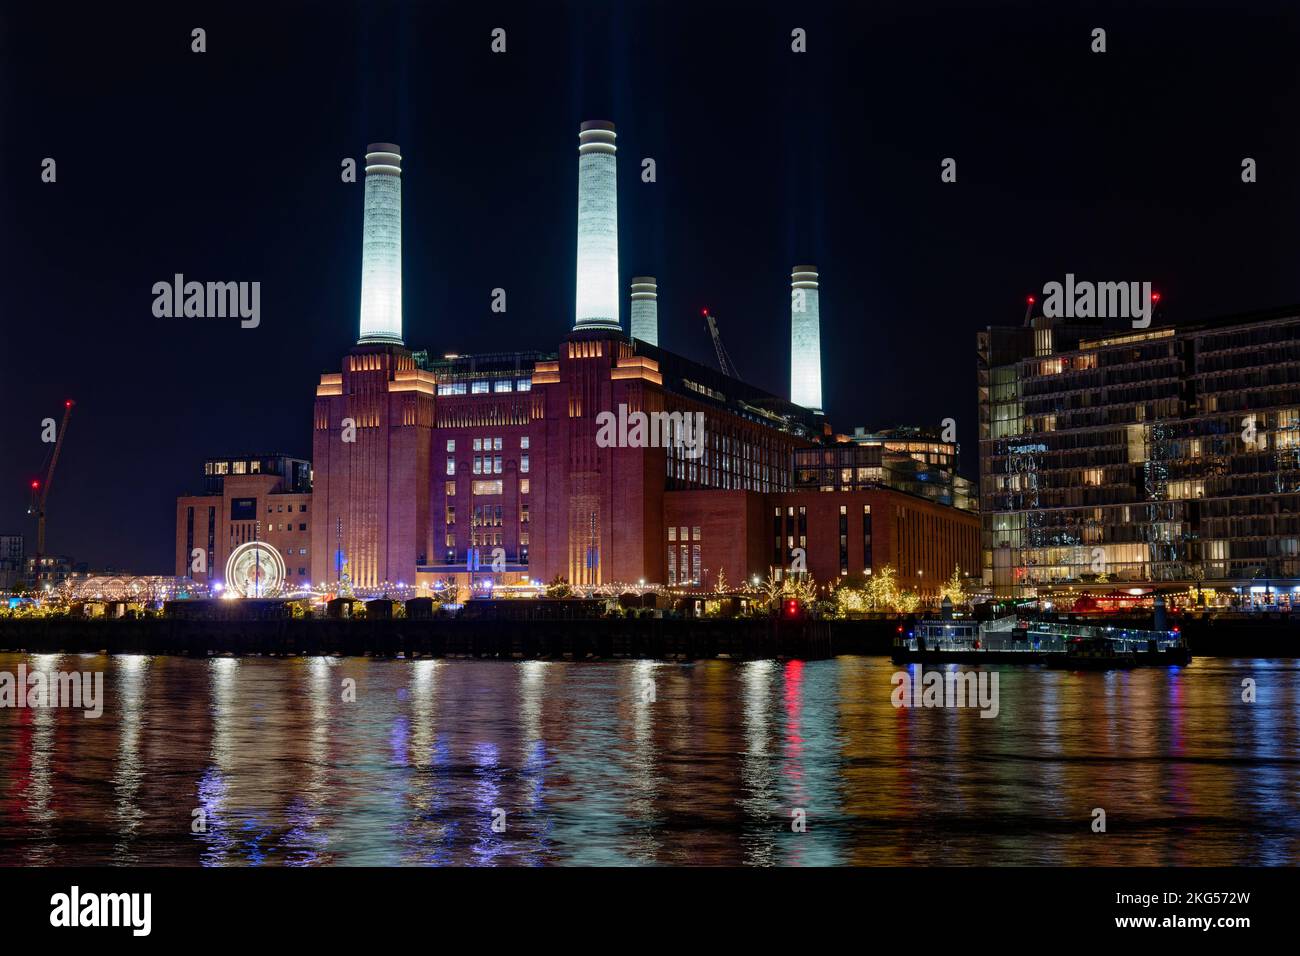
(609, 460)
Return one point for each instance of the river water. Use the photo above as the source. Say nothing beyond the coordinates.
(314, 761)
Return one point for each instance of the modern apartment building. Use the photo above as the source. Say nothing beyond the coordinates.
(1156, 456)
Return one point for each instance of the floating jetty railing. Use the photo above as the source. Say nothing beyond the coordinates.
(1010, 635)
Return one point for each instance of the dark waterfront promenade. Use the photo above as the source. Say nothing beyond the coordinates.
(742, 638)
(602, 639)
(644, 762)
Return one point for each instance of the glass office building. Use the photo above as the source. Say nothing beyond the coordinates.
(1162, 455)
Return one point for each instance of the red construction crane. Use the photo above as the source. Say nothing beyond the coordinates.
(724, 358)
(41, 492)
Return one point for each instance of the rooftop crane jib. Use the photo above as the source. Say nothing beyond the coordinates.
(724, 359)
(41, 490)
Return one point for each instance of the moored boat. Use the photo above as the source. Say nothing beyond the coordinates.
(1019, 641)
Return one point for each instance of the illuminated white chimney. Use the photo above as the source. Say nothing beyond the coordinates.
(645, 309)
(805, 339)
(597, 299)
(381, 246)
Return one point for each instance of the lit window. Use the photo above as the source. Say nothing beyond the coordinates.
(478, 388)
(496, 444)
(504, 385)
(523, 441)
(523, 486)
(451, 489)
(523, 463)
(524, 385)
(478, 444)
(451, 466)
(478, 464)
(496, 465)
(451, 444)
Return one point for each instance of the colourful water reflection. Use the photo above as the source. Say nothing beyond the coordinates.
(494, 763)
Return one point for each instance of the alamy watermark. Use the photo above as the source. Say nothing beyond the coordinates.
(1099, 300)
(683, 430)
(74, 909)
(208, 300)
(38, 689)
(947, 689)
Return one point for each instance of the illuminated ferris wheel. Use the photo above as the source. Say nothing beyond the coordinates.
(255, 569)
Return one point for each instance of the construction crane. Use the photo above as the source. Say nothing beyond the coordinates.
(724, 360)
(41, 492)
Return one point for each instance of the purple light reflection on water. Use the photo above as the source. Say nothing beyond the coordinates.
(589, 770)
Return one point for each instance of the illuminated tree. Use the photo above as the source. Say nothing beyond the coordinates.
(882, 589)
(907, 602)
(801, 590)
(558, 588)
(770, 589)
(953, 590)
(849, 600)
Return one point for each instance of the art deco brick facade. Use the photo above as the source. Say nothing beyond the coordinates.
(427, 471)
(371, 447)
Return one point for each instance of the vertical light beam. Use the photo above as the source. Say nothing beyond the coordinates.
(805, 339)
(381, 246)
(645, 309)
(597, 298)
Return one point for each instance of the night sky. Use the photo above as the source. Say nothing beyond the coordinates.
(225, 166)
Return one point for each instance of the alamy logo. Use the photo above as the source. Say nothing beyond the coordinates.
(37, 689)
(134, 910)
(1098, 300)
(947, 689)
(208, 300)
(682, 430)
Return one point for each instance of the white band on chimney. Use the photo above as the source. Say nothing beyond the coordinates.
(645, 309)
(805, 339)
(381, 246)
(597, 275)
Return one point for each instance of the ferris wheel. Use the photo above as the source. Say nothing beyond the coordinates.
(255, 569)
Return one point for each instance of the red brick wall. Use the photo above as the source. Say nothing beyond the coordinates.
(922, 540)
(730, 524)
(376, 488)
